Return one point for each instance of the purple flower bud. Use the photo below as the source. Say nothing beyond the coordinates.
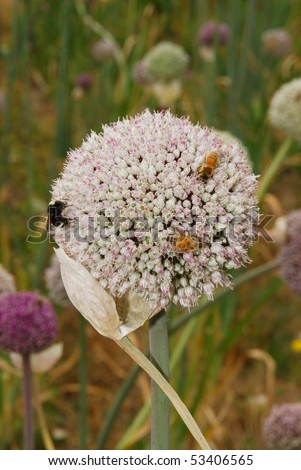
(84, 81)
(212, 32)
(282, 428)
(28, 323)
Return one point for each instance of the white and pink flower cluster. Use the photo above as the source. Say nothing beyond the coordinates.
(136, 184)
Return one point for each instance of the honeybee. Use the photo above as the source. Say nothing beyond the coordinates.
(182, 243)
(55, 216)
(205, 171)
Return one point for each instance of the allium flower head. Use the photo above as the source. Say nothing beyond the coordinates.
(282, 428)
(290, 254)
(103, 49)
(285, 109)
(231, 139)
(141, 74)
(166, 61)
(213, 32)
(132, 194)
(277, 42)
(54, 283)
(7, 282)
(28, 323)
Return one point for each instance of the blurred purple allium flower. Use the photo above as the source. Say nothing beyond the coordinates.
(277, 42)
(282, 428)
(84, 81)
(290, 254)
(212, 32)
(103, 49)
(7, 282)
(54, 283)
(135, 185)
(28, 323)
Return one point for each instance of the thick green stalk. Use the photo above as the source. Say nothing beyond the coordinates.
(176, 355)
(28, 409)
(159, 355)
(156, 375)
(273, 168)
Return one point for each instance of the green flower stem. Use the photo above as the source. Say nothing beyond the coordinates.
(100, 30)
(156, 375)
(273, 168)
(133, 374)
(105, 34)
(159, 356)
(176, 355)
(28, 409)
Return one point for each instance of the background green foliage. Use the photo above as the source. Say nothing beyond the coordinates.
(45, 45)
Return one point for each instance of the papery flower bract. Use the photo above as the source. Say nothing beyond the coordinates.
(282, 428)
(42, 361)
(130, 189)
(167, 93)
(112, 319)
(290, 253)
(285, 109)
(166, 62)
(28, 323)
(7, 282)
(277, 42)
(279, 230)
(53, 280)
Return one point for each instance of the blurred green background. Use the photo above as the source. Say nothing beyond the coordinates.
(235, 360)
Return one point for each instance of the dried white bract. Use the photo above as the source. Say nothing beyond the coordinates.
(112, 319)
(42, 361)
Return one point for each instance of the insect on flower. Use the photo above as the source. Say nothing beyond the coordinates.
(163, 191)
(182, 243)
(205, 171)
(55, 216)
